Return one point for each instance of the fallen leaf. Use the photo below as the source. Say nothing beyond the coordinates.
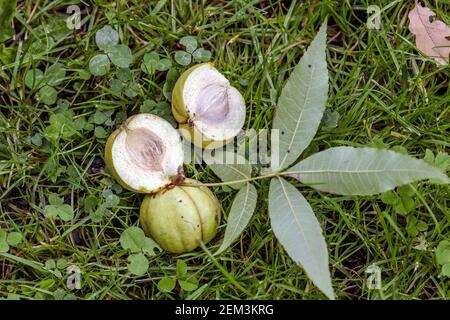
(430, 35)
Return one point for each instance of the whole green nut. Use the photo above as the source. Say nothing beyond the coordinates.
(180, 217)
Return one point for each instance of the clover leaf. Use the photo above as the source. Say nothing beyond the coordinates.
(57, 208)
(190, 43)
(7, 240)
(106, 37)
(34, 78)
(201, 55)
(184, 58)
(138, 264)
(134, 239)
(120, 55)
(152, 63)
(99, 65)
(191, 52)
(48, 94)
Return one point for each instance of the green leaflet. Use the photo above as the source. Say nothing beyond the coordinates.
(298, 230)
(362, 171)
(241, 211)
(302, 103)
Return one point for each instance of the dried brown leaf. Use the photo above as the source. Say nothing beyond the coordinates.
(430, 35)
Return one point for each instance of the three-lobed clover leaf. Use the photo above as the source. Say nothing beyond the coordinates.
(56, 266)
(63, 125)
(192, 52)
(107, 39)
(57, 208)
(46, 82)
(414, 226)
(402, 200)
(186, 282)
(134, 240)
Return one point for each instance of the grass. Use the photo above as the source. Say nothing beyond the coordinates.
(385, 92)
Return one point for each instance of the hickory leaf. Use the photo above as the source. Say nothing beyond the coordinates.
(302, 103)
(362, 171)
(241, 211)
(298, 230)
(431, 36)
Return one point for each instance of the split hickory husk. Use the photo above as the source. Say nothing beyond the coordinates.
(145, 154)
(208, 108)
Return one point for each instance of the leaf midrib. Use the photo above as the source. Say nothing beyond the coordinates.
(351, 171)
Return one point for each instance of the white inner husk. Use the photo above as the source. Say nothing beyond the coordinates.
(131, 165)
(215, 108)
